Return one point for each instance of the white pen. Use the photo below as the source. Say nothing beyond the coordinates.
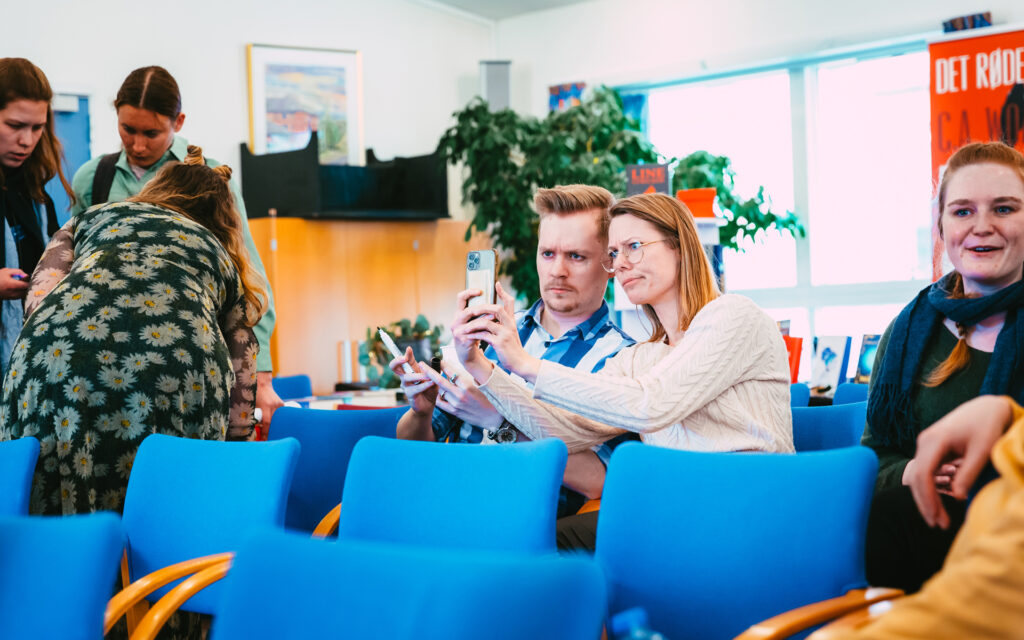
(393, 348)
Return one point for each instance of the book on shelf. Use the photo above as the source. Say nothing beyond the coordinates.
(828, 364)
(866, 360)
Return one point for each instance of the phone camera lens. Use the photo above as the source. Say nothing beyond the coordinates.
(474, 261)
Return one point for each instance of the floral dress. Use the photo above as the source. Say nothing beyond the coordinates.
(135, 325)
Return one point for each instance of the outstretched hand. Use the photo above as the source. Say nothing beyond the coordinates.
(961, 442)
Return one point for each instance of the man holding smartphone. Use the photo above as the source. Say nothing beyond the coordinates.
(570, 324)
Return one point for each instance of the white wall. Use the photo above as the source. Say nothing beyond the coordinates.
(624, 41)
(419, 63)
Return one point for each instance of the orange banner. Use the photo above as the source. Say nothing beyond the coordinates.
(977, 94)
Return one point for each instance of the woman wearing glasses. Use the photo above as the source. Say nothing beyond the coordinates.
(714, 376)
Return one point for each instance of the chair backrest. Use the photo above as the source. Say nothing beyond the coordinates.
(290, 387)
(709, 543)
(828, 427)
(311, 588)
(327, 438)
(455, 496)
(799, 394)
(849, 392)
(17, 465)
(56, 574)
(189, 498)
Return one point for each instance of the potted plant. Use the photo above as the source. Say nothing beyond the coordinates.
(424, 340)
(750, 217)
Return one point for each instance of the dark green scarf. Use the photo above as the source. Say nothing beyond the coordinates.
(19, 210)
(889, 410)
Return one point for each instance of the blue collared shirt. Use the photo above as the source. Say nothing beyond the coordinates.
(586, 346)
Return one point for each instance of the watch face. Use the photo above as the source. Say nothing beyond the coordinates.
(505, 435)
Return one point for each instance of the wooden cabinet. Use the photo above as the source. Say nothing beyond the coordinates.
(332, 279)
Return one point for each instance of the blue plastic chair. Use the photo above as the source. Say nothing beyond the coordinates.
(710, 543)
(317, 589)
(454, 496)
(849, 392)
(292, 387)
(327, 438)
(17, 464)
(190, 498)
(799, 394)
(828, 427)
(56, 575)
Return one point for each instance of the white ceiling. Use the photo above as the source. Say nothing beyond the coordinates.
(500, 9)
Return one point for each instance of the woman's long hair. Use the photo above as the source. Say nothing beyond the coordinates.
(22, 80)
(202, 194)
(965, 156)
(697, 285)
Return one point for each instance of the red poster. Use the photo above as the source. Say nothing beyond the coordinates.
(977, 94)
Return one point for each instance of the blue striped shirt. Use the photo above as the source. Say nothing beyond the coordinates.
(586, 346)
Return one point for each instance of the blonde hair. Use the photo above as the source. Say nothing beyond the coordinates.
(576, 198)
(697, 286)
(202, 194)
(967, 155)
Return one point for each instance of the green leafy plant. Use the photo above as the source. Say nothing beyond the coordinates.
(508, 157)
(424, 340)
(750, 217)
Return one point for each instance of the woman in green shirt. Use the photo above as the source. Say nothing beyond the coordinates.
(149, 117)
(960, 338)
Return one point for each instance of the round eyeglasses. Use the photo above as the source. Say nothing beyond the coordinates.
(632, 251)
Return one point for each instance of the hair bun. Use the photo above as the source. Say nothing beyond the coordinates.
(195, 155)
(223, 171)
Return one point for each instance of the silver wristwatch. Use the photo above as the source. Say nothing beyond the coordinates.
(505, 434)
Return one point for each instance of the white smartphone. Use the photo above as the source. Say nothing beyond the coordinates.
(393, 348)
(481, 270)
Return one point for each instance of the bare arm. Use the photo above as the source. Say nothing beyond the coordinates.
(584, 473)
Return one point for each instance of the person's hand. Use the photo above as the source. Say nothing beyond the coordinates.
(966, 434)
(267, 400)
(943, 475)
(500, 332)
(464, 400)
(12, 288)
(468, 320)
(419, 390)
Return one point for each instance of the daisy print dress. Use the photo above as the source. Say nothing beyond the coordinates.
(134, 325)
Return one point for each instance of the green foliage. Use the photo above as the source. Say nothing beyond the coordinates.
(508, 157)
(750, 217)
(375, 357)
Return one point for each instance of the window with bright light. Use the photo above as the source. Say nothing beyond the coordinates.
(864, 183)
(870, 173)
(747, 119)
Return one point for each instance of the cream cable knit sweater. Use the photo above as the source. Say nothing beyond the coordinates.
(724, 387)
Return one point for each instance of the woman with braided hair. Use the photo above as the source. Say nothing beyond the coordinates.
(960, 338)
(139, 320)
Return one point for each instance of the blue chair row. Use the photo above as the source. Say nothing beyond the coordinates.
(847, 392)
(721, 515)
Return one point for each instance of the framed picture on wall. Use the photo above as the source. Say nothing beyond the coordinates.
(293, 91)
